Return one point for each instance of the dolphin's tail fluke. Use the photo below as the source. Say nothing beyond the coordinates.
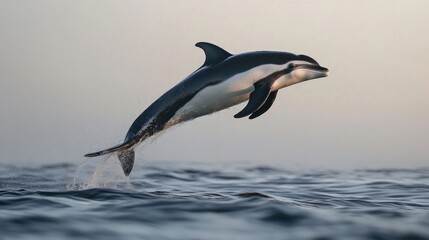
(125, 155)
(120, 147)
(127, 160)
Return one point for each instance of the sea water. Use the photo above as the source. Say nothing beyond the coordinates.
(195, 201)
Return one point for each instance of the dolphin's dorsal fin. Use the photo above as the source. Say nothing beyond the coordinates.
(214, 54)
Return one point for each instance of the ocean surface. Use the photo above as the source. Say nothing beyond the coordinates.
(196, 201)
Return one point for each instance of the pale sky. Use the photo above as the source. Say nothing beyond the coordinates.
(75, 74)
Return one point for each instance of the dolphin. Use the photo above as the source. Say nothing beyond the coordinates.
(224, 80)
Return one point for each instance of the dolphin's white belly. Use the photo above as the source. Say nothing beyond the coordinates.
(215, 98)
(228, 93)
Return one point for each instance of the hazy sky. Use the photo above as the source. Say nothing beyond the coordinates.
(75, 74)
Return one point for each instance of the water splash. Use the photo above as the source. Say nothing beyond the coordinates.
(106, 174)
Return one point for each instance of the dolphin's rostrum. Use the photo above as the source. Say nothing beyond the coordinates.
(224, 80)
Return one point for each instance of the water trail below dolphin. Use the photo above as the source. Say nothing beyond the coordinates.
(105, 174)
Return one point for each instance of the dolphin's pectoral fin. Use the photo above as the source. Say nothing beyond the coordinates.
(126, 158)
(214, 54)
(268, 103)
(256, 100)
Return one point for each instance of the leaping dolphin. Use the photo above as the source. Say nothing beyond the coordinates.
(224, 80)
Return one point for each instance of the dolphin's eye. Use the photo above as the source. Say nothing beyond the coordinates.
(291, 66)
